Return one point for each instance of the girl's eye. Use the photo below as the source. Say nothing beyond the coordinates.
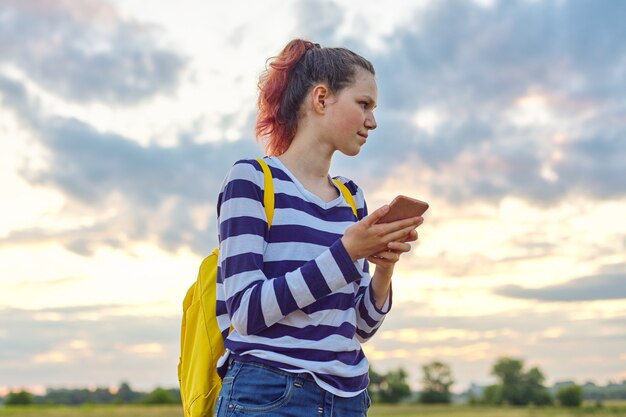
(363, 104)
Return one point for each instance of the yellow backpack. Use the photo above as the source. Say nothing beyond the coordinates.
(201, 341)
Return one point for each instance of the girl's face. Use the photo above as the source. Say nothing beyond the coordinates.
(350, 114)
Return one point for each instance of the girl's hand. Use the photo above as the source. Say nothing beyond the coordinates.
(366, 238)
(385, 262)
(388, 258)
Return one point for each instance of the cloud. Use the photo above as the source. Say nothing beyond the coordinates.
(154, 192)
(515, 109)
(319, 21)
(414, 334)
(133, 192)
(124, 342)
(86, 52)
(13, 95)
(117, 345)
(597, 287)
(523, 98)
(89, 165)
(479, 103)
(457, 52)
(50, 283)
(595, 164)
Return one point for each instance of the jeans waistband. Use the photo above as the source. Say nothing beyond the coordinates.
(250, 360)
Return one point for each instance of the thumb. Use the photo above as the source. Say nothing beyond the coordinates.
(376, 215)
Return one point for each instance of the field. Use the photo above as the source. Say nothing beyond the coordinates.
(609, 409)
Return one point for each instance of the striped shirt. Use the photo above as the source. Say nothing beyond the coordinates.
(294, 297)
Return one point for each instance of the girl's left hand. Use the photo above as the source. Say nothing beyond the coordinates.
(388, 258)
(385, 262)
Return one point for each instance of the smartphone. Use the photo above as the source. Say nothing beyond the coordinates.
(403, 207)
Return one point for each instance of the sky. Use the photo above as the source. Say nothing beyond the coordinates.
(118, 123)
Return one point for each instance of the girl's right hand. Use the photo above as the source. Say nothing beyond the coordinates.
(366, 238)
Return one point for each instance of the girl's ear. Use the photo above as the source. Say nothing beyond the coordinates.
(319, 97)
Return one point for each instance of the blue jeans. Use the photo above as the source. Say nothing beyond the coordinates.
(254, 389)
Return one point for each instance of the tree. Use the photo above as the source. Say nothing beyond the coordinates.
(374, 387)
(102, 396)
(390, 387)
(492, 394)
(571, 396)
(125, 394)
(534, 391)
(436, 382)
(19, 398)
(509, 371)
(517, 387)
(159, 396)
(394, 387)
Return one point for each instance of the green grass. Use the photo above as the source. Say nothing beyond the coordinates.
(614, 409)
(484, 411)
(93, 411)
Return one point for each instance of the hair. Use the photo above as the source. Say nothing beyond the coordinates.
(290, 76)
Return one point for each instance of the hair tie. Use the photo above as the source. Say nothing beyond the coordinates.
(310, 45)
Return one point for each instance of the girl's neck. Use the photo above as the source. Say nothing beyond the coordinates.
(308, 160)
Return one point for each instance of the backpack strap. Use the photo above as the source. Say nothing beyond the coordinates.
(268, 193)
(347, 195)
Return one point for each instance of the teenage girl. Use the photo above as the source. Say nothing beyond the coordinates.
(299, 294)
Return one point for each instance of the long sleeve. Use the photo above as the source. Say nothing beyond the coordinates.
(369, 317)
(254, 301)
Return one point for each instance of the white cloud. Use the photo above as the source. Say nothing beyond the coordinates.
(429, 120)
(518, 148)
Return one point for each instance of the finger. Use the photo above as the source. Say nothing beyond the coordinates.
(376, 215)
(381, 254)
(400, 247)
(397, 236)
(415, 221)
(388, 255)
(411, 237)
(402, 224)
(408, 238)
(379, 261)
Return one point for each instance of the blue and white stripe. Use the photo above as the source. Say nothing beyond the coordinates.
(292, 294)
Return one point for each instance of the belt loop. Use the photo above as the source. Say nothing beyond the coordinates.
(298, 380)
(230, 361)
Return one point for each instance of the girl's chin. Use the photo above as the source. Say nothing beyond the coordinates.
(351, 152)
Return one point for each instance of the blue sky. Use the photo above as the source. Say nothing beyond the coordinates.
(118, 123)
